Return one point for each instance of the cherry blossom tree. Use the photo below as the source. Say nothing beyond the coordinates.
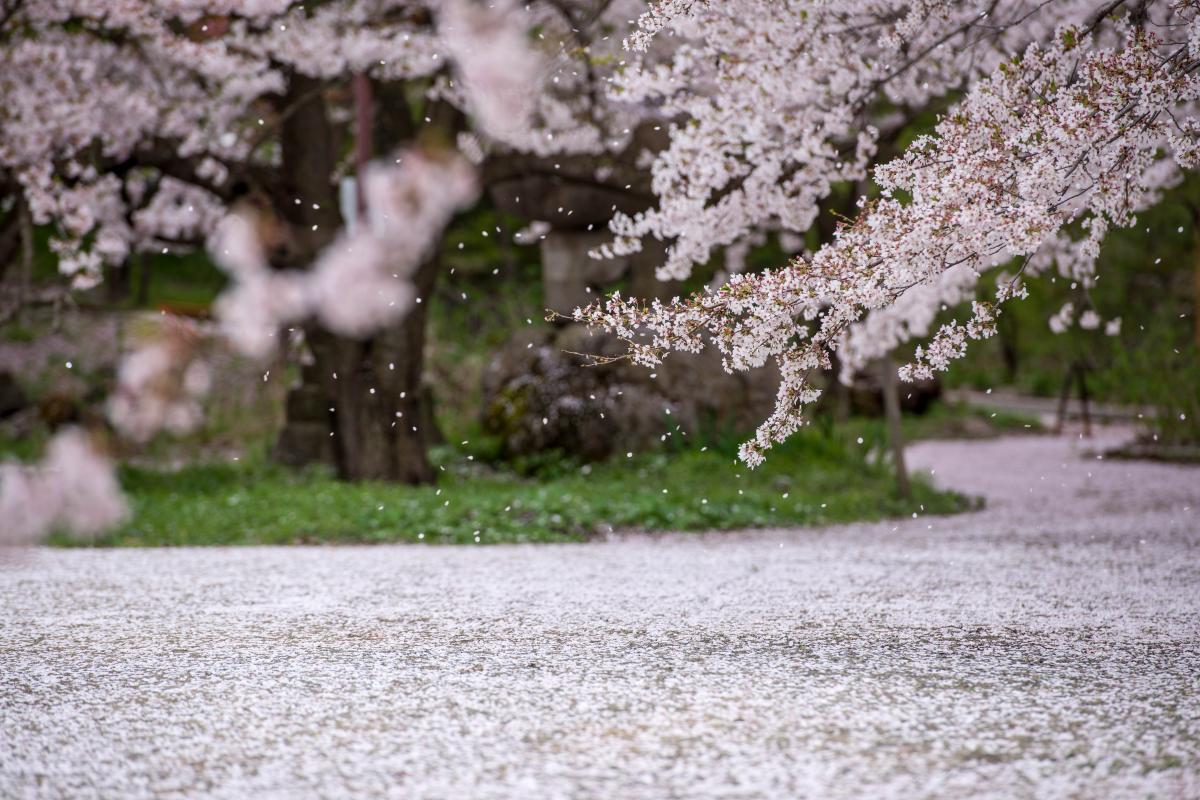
(1060, 122)
(138, 126)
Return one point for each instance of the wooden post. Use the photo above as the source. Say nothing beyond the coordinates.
(1063, 398)
(1196, 282)
(891, 407)
(1081, 371)
(364, 114)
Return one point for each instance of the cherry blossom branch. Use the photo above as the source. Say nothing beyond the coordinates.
(994, 183)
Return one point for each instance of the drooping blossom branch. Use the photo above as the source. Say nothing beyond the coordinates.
(1064, 134)
(778, 102)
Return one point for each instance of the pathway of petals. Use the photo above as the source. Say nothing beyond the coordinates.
(1048, 646)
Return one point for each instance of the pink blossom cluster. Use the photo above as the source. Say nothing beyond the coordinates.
(361, 281)
(125, 123)
(1088, 319)
(162, 380)
(1071, 132)
(495, 68)
(74, 488)
(777, 102)
(572, 110)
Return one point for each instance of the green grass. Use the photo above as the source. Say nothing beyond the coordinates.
(27, 448)
(945, 421)
(185, 280)
(820, 477)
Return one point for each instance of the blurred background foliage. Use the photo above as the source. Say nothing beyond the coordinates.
(1149, 277)
(218, 485)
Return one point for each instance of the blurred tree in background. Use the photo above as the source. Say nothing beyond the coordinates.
(692, 159)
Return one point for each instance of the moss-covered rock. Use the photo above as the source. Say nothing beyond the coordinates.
(540, 394)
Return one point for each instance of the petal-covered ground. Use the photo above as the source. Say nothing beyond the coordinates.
(1048, 646)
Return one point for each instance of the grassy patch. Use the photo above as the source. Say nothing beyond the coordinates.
(820, 477)
(958, 421)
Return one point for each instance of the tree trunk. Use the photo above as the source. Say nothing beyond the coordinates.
(27, 246)
(839, 393)
(118, 282)
(145, 274)
(373, 386)
(374, 391)
(307, 198)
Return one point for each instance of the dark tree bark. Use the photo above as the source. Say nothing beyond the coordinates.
(118, 282)
(838, 392)
(10, 239)
(306, 197)
(360, 405)
(374, 389)
(392, 119)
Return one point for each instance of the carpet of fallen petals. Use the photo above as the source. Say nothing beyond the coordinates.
(1048, 646)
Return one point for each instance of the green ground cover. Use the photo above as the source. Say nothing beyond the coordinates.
(824, 475)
